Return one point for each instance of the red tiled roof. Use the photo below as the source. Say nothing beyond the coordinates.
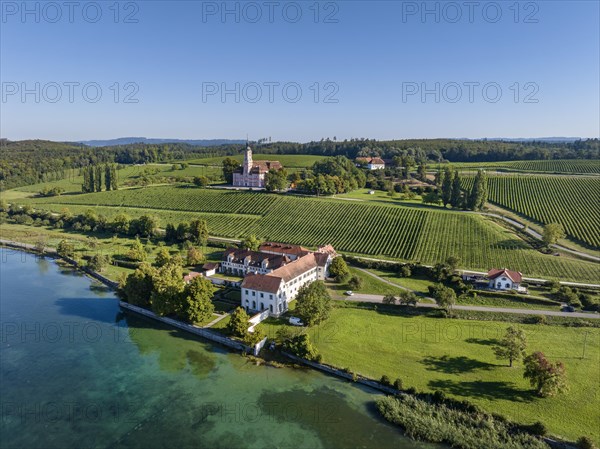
(192, 275)
(515, 276)
(295, 268)
(329, 249)
(265, 166)
(261, 282)
(210, 266)
(377, 160)
(283, 248)
(363, 160)
(321, 259)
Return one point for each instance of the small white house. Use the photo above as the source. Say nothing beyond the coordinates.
(503, 279)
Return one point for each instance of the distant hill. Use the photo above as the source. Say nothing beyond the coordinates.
(538, 139)
(130, 140)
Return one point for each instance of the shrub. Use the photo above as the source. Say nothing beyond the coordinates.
(398, 384)
(538, 319)
(586, 443)
(385, 380)
(538, 428)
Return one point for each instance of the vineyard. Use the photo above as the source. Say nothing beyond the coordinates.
(379, 230)
(572, 166)
(573, 202)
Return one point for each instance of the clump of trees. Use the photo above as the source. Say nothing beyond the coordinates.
(553, 232)
(166, 293)
(331, 176)
(452, 193)
(313, 303)
(92, 178)
(339, 269)
(276, 180)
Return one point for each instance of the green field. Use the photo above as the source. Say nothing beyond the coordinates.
(153, 172)
(580, 166)
(455, 356)
(287, 160)
(420, 234)
(571, 201)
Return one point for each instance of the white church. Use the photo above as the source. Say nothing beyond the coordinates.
(252, 174)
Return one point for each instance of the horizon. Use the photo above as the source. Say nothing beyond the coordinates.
(389, 71)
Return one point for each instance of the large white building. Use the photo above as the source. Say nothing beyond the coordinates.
(252, 174)
(275, 290)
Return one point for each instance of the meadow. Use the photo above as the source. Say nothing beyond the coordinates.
(287, 160)
(571, 201)
(455, 356)
(385, 230)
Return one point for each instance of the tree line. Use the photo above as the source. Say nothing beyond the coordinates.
(33, 161)
(92, 178)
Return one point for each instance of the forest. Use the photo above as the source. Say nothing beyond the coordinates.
(32, 161)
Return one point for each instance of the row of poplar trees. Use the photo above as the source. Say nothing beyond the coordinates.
(452, 193)
(92, 178)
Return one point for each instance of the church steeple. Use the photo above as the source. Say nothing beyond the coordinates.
(248, 159)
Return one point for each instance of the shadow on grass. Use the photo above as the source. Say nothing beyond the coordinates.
(455, 365)
(483, 390)
(482, 341)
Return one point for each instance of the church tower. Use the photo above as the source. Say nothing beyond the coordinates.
(248, 160)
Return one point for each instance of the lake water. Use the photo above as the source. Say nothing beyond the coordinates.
(78, 372)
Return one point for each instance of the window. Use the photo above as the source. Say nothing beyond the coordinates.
(246, 291)
(507, 285)
(270, 296)
(262, 295)
(253, 304)
(253, 293)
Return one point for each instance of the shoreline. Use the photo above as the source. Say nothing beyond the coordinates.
(217, 338)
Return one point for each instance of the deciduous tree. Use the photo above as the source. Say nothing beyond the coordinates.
(313, 303)
(546, 377)
(512, 346)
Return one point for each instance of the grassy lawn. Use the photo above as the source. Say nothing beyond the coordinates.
(518, 302)
(206, 321)
(419, 285)
(455, 356)
(288, 160)
(370, 285)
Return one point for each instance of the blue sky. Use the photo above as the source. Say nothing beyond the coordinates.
(528, 70)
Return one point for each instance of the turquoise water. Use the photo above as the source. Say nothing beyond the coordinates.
(78, 372)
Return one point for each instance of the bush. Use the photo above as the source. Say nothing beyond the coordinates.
(538, 319)
(537, 428)
(385, 380)
(586, 443)
(398, 384)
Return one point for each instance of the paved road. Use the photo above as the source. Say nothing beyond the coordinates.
(431, 304)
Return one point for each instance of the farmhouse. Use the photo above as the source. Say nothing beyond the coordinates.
(252, 174)
(503, 279)
(276, 289)
(372, 163)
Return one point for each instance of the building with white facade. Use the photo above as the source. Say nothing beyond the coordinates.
(275, 290)
(252, 174)
(372, 163)
(503, 279)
